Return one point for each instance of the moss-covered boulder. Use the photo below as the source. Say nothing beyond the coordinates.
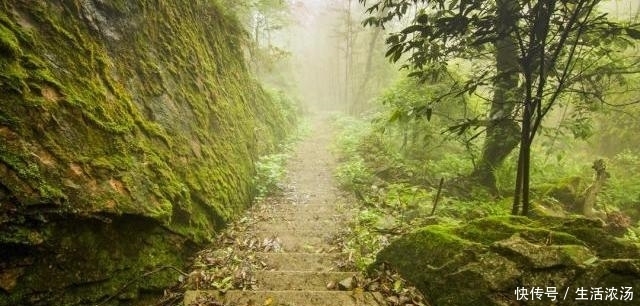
(113, 112)
(569, 192)
(487, 260)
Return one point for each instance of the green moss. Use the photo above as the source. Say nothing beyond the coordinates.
(575, 255)
(51, 193)
(567, 191)
(484, 261)
(9, 45)
(103, 255)
(147, 124)
(605, 245)
(490, 229)
(409, 251)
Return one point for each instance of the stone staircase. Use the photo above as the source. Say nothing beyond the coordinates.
(305, 269)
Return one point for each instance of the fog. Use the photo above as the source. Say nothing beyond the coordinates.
(337, 64)
(332, 56)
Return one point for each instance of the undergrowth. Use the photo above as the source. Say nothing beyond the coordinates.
(396, 193)
(271, 168)
(397, 190)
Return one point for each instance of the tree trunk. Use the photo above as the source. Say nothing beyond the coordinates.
(360, 98)
(503, 133)
(525, 144)
(518, 187)
(268, 30)
(348, 62)
(592, 191)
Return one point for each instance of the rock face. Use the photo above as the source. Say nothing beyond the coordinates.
(486, 261)
(128, 131)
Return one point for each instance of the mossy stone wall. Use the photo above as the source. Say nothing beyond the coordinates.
(111, 110)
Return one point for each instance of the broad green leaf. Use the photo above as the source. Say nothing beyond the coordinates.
(393, 49)
(371, 21)
(392, 39)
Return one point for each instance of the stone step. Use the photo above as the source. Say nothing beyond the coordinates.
(310, 216)
(312, 210)
(323, 227)
(299, 280)
(299, 261)
(302, 241)
(284, 298)
(302, 218)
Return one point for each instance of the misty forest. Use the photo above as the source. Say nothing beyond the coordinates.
(319, 152)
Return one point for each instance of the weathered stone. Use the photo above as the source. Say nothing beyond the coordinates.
(612, 272)
(474, 282)
(542, 256)
(485, 261)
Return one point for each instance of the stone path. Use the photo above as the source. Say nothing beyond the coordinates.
(302, 268)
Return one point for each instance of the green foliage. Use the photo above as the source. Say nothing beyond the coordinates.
(450, 166)
(353, 174)
(350, 133)
(263, 19)
(413, 128)
(569, 51)
(394, 187)
(441, 30)
(270, 169)
(567, 172)
(145, 110)
(9, 45)
(622, 190)
(549, 165)
(286, 107)
(481, 205)
(617, 125)
(363, 245)
(633, 234)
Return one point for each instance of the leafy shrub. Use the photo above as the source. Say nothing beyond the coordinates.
(270, 169)
(622, 190)
(353, 174)
(450, 166)
(269, 172)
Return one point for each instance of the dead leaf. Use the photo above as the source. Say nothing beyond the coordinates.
(331, 285)
(9, 277)
(346, 284)
(268, 302)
